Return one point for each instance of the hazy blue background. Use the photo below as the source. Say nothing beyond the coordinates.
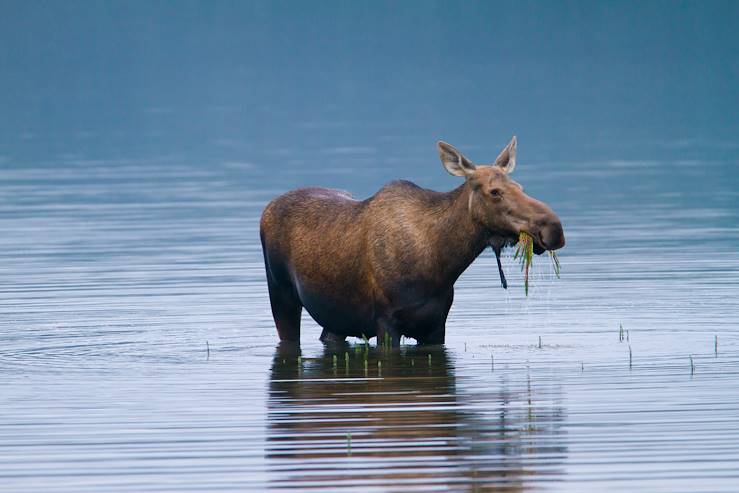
(140, 141)
(234, 80)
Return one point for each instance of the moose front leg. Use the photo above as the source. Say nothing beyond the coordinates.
(435, 332)
(435, 337)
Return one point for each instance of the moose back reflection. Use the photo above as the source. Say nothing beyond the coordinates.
(361, 418)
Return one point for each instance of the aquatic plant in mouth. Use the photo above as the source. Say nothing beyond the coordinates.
(525, 252)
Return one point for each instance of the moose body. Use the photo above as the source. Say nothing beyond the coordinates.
(386, 266)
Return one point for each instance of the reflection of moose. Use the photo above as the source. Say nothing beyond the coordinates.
(399, 426)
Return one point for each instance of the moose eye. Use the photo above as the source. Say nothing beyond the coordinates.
(496, 193)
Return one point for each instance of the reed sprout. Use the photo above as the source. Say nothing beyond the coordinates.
(715, 345)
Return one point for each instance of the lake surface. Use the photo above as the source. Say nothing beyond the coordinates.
(138, 353)
(139, 144)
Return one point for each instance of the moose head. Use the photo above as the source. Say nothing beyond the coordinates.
(500, 204)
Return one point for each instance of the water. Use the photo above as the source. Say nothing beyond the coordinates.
(137, 348)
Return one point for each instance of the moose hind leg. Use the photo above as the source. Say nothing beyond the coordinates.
(328, 337)
(388, 333)
(286, 310)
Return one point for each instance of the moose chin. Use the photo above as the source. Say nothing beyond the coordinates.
(386, 266)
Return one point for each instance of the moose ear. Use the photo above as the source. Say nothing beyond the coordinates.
(507, 157)
(453, 160)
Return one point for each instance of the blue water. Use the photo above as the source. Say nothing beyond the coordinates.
(139, 144)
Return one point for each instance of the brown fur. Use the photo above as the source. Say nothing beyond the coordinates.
(389, 263)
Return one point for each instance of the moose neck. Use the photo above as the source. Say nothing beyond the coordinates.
(459, 237)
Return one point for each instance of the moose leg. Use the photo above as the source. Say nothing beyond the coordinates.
(286, 308)
(437, 324)
(331, 338)
(436, 336)
(387, 333)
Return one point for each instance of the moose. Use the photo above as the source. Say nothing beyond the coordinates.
(386, 266)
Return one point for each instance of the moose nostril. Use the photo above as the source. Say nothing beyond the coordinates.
(553, 236)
